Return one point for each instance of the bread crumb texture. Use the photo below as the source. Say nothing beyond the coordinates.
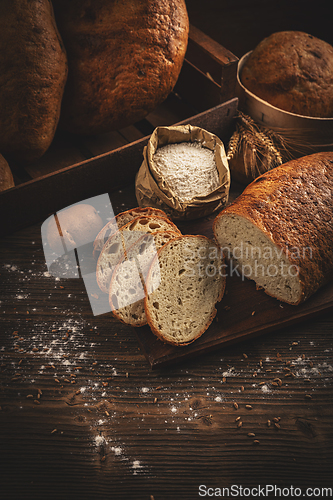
(279, 231)
(182, 307)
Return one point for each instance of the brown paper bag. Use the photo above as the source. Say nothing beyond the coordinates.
(152, 190)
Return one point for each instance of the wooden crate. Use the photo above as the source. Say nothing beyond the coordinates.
(75, 167)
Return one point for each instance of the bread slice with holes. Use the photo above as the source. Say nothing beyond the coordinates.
(127, 287)
(112, 253)
(151, 223)
(118, 222)
(183, 289)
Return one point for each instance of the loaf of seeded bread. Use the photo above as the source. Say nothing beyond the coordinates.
(127, 287)
(293, 71)
(119, 221)
(182, 291)
(116, 246)
(279, 231)
(124, 58)
(33, 72)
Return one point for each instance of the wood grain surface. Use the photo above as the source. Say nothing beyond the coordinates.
(84, 416)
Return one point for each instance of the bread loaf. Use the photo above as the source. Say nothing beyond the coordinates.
(293, 71)
(124, 58)
(33, 71)
(279, 231)
(183, 289)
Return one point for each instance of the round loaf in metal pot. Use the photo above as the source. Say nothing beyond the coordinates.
(292, 71)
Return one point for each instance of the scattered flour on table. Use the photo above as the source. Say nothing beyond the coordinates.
(117, 450)
(101, 442)
(136, 466)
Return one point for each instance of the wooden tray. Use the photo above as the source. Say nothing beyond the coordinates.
(75, 168)
(243, 312)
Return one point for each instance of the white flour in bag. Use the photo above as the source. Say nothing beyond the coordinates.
(189, 169)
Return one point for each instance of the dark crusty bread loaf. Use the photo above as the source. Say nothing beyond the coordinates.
(33, 71)
(293, 71)
(279, 231)
(124, 58)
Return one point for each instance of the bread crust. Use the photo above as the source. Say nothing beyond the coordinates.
(292, 206)
(124, 58)
(130, 227)
(121, 219)
(33, 72)
(6, 176)
(292, 71)
(149, 316)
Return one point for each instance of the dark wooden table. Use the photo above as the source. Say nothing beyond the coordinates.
(83, 416)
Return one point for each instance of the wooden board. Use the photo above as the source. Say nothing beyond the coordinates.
(243, 312)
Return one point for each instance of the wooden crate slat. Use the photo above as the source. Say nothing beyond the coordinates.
(197, 89)
(62, 153)
(213, 59)
(131, 133)
(102, 143)
(172, 110)
(202, 49)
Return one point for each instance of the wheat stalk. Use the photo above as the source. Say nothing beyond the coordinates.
(259, 145)
(233, 144)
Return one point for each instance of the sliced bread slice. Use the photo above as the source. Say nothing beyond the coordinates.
(112, 253)
(192, 281)
(128, 235)
(119, 221)
(126, 292)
